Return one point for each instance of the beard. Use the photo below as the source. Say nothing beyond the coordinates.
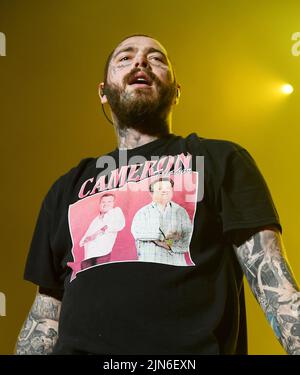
(142, 109)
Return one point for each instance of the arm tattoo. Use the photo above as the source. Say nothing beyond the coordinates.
(273, 285)
(40, 331)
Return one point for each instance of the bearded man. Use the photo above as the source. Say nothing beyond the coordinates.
(133, 307)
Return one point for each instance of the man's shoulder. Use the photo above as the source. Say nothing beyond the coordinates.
(115, 210)
(71, 175)
(211, 145)
(81, 166)
(176, 205)
(146, 207)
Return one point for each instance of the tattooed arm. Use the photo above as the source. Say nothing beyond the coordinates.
(40, 331)
(262, 258)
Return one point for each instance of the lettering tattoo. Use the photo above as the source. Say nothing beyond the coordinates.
(264, 263)
(40, 331)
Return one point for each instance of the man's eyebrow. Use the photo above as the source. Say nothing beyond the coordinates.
(132, 49)
(127, 49)
(152, 49)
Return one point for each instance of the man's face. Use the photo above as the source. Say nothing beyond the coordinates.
(140, 82)
(106, 204)
(162, 192)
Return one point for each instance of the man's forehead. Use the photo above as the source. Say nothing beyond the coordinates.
(140, 42)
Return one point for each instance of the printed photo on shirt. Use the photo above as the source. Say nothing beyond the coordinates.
(162, 228)
(101, 235)
(153, 217)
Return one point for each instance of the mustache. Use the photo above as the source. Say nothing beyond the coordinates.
(151, 75)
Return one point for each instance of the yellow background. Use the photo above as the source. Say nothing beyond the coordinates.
(230, 58)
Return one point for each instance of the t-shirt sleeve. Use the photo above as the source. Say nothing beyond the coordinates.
(43, 267)
(246, 201)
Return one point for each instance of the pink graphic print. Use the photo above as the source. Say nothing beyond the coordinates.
(150, 220)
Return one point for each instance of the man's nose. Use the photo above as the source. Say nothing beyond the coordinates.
(141, 60)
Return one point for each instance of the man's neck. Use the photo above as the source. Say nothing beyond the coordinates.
(130, 138)
(162, 204)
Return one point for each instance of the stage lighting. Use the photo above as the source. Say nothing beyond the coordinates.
(287, 89)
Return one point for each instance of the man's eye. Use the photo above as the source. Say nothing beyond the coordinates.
(157, 58)
(123, 58)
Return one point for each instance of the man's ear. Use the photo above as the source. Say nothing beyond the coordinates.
(101, 93)
(178, 92)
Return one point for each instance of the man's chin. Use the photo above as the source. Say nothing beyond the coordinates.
(139, 98)
(140, 91)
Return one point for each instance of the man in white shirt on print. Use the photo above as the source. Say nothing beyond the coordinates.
(162, 229)
(101, 235)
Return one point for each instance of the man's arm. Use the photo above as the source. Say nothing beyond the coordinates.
(40, 331)
(262, 258)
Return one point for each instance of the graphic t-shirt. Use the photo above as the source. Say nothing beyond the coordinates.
(138, 242)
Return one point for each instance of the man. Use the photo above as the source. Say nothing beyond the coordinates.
(151, 308)
(101, 235)
(162, 229)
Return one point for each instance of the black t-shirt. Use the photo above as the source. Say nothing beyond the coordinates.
(138, 244)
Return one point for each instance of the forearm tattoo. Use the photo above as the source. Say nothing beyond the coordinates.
(40, 331)
(271, 280)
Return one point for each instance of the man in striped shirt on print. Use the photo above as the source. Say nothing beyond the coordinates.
(162, 229)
